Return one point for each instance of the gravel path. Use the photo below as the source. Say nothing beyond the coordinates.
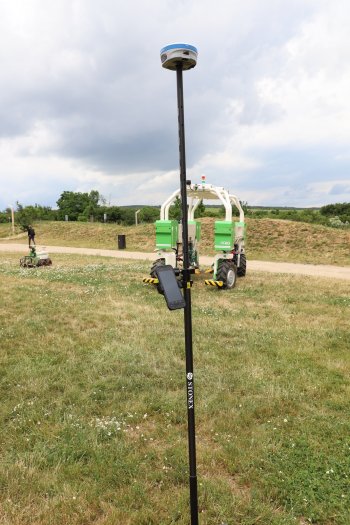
(319, 270)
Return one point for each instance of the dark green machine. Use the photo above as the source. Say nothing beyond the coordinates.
(35, 259)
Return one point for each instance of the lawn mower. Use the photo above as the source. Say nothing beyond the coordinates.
(229, 238)
(35, 259)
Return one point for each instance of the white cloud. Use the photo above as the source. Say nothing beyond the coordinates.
(226, 160)
(86, 105)
(310, 90)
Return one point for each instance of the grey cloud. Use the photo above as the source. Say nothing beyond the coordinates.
(99, 89)
(340, 189)
(106, 75)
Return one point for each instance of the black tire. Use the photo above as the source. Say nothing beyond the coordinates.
(44, 262)
(156, 264)
(27, 262)
(227, 273)
(242, 268)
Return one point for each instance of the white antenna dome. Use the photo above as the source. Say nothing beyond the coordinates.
(174, 54)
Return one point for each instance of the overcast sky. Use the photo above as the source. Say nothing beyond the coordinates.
(85, 103)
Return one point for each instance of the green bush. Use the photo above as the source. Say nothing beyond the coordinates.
(336, 210)
(149, 214)
(5, 217)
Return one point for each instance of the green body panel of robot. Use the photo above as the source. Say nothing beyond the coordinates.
(223, 236)
(240, 230)
(194, 229)
(227, 233)
(166, 234)
(198, 229)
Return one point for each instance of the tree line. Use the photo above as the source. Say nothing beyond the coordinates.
(334, 215)
(78, 206)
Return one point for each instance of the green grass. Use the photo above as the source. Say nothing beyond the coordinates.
(93, 412)
(267, 239)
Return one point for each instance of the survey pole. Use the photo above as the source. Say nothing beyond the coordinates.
(188, 307)
(181, 57)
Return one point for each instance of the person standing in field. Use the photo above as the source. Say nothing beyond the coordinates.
(31, 235)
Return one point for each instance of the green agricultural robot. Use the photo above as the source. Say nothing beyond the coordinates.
(230, 260)
(35, 259)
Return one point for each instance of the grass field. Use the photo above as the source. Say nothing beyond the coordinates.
(267, 239)
(93, 411)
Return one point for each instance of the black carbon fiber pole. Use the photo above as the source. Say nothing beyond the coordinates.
(187, 310)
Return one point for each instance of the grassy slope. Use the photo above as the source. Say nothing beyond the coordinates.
(268, 239)
(93, 418)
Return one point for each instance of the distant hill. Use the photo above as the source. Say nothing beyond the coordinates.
(267, 239)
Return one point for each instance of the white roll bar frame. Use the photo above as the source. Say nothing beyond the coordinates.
(197, 193)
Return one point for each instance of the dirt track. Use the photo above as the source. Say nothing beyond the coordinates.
(333, 272)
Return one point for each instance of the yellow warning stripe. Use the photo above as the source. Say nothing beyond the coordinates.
(153, 280)
(211, 282)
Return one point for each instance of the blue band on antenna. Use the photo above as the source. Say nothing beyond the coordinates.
(178, 46)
